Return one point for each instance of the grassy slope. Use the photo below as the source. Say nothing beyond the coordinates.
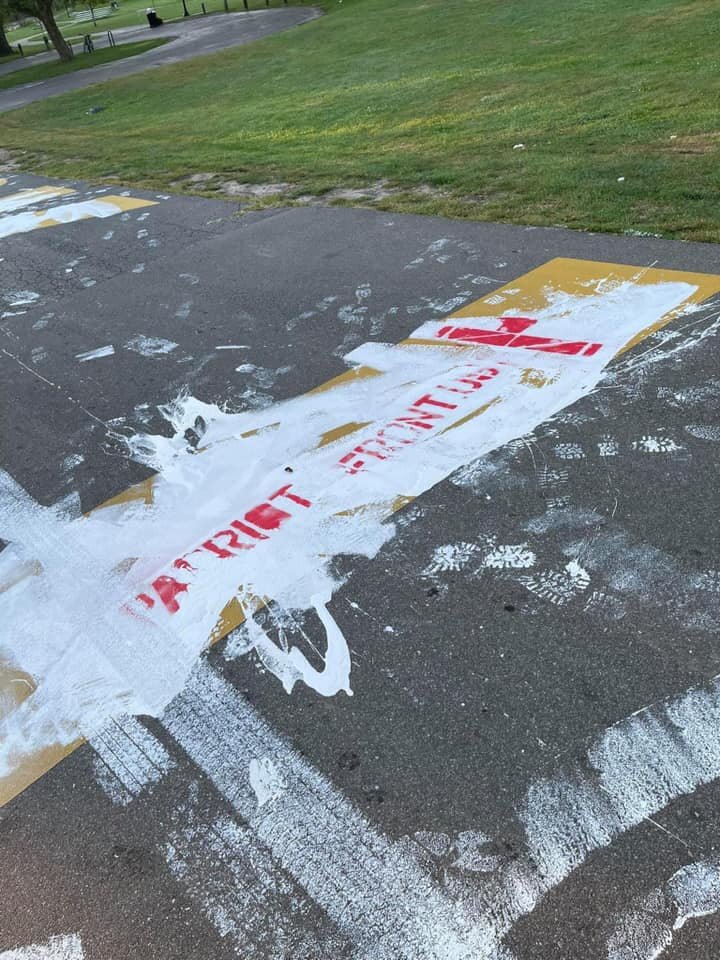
(81, 61)
(433, 92)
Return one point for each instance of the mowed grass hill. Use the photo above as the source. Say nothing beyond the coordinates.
(595, 114)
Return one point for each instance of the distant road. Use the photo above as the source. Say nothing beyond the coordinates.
(188, 38)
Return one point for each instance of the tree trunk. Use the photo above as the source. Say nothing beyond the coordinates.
(5, 48)
(47, 18)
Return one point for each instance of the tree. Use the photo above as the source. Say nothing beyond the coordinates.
(5, 48)
(43, 11)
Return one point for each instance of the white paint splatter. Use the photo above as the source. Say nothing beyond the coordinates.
(20, 298)
(509, 556)
(265, 779)
(451, 556)
(74, 460)
(656, 445)
(559, 587)
(150, 346)
(704, 431)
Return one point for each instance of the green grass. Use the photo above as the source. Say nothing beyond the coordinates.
(81, 61)
(432, 96)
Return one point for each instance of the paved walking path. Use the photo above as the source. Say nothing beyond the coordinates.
(188, 38)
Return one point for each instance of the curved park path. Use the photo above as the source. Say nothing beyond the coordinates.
(188, 38)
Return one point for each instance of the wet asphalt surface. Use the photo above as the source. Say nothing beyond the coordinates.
(483, 686)
(187, 39)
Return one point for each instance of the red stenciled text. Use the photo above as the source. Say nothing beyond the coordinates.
(510, 333)
(425, 413)
(257, 524)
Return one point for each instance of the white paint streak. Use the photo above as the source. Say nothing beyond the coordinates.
(25, 198)
(96, 354)
(244, 892)
(20, 298)
(129, 759)
(57, 948)
(378, 897)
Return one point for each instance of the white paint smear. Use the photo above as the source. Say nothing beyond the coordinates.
(150, 346)
(247, 896)
(25, 198)
(647, 930)
(303, 829)
(129, 759)
(19, 298)
(57, 948)
(376, 895)
(63, 213)
(96, 354)
(129, 596)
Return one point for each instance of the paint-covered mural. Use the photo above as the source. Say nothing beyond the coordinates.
(249, 525)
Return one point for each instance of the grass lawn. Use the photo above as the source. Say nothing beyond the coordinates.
(614, 104)
(81, 61)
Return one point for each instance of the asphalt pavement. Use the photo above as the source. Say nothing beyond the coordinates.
(528, 764)
(187, 38)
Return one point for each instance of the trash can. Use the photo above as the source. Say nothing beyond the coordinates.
(152, 18)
